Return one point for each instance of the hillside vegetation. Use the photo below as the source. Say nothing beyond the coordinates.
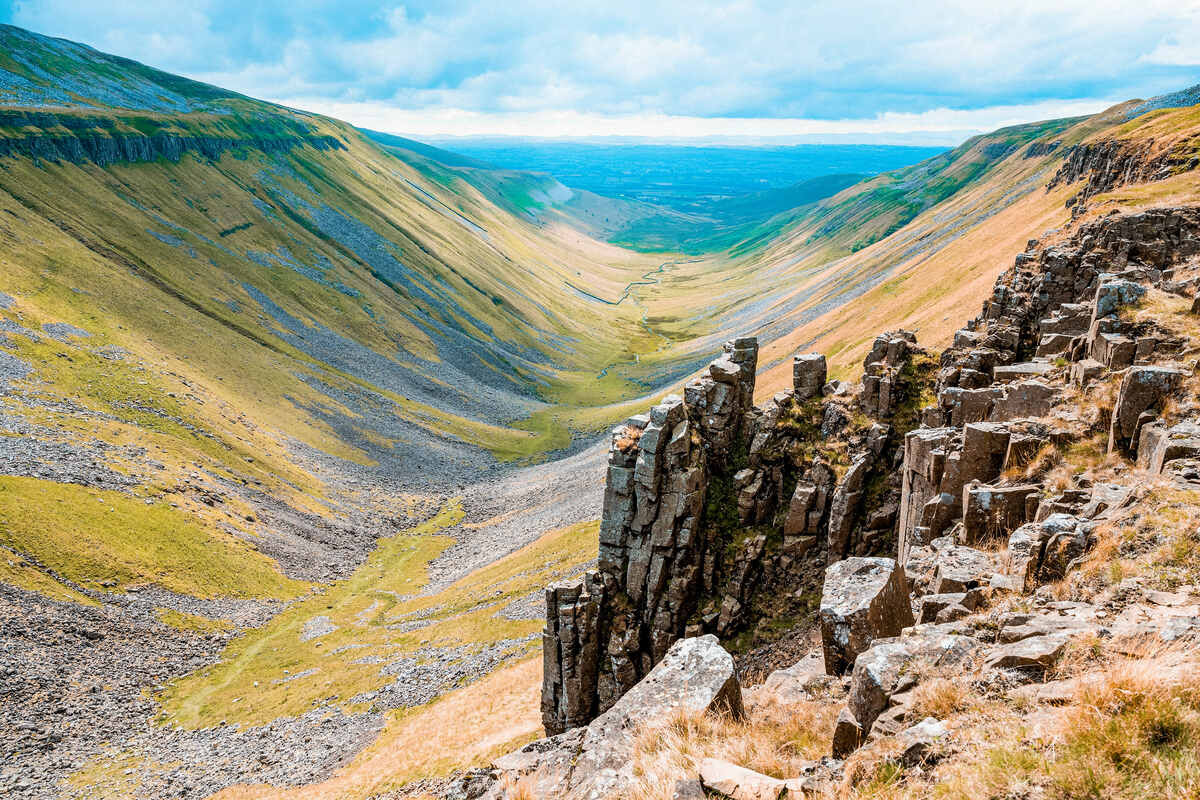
(295, 417)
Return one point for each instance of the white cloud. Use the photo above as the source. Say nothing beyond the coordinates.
(944, 125)
(634, 59)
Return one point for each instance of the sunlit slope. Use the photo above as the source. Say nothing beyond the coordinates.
(909, 248)
(351, 298)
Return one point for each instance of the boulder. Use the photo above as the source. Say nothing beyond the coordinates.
(1024, 399)
(962, 568)
(887, 669)
(799, 682)
(917, 742)
(990, 512)
(863, 599)
(1113, 295)
(1159, 445)
(1142, 389)
(933, 604)
(847, 734)
(1035, 654)
(688, 789)
(808, 375)
(1016, 372)
(738, 783)
(696, 675)
(1085, 371)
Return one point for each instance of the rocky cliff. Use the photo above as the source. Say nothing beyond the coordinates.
(106, 141)
(972, 519)
(719, 514)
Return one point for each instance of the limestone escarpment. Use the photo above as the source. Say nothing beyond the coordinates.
(102, 141)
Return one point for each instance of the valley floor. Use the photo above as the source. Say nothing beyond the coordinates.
(146, 692)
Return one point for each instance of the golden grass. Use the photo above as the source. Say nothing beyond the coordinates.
(466, 727)
(775, 739)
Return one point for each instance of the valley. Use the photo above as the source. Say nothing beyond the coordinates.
(298, 421)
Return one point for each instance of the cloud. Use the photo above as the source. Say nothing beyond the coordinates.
(941, 125)
(822, 60)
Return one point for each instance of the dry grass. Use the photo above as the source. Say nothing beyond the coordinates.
(464, 728)
(775, 739)
(1131, 731)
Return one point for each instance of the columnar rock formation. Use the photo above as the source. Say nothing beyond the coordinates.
(604, 635)
(715, 508)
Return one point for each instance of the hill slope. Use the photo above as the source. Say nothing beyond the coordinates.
(263, 379)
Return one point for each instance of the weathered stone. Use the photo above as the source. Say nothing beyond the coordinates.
(961, 568)
(844, 505)
(923, 469)
(1085, 371)
(1016, 372)
(651, 567)
(688, 789)
(990, 512)
(799, 682)
(1024, 399)
(863, 599)
(887, 668)
(1037, 653)
(808, 375)
(696, 675)
(738, 783)
(917, 743)
(1142, 389)
(847, 734)
(932, 604)
(1113, 295)
(1158, 445)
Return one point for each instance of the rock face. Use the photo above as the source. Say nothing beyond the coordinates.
(695, 675)
(606, 633)
(90, 140)
(808, 375)
(1142, 389)
(717, 512)
(864, 599)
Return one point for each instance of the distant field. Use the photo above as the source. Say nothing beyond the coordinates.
(686, 178)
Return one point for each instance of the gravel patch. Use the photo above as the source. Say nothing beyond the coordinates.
(64, 332)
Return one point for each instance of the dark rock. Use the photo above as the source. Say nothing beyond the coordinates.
(863, 599)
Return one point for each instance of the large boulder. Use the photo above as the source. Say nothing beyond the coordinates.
(696, 675)
(1159, 445)
(990, 512)
(738, 783)
(889, 668)
(1142, 389)
(960, 569)
(863, 599)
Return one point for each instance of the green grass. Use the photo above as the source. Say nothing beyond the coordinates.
(366, 608)
(18, 571)
(105, 539)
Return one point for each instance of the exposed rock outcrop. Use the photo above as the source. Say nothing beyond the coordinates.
(695, 675)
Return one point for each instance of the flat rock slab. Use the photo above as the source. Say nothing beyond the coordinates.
(738, 783)
(696, 675)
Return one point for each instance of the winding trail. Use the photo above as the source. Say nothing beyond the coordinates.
(647, 279)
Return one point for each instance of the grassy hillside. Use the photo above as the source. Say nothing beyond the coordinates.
(250, 357)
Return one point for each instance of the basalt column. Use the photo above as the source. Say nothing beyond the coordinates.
(605, 633)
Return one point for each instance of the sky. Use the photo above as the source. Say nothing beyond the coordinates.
(850, 70)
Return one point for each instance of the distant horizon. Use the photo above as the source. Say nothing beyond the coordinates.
(820, 72)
